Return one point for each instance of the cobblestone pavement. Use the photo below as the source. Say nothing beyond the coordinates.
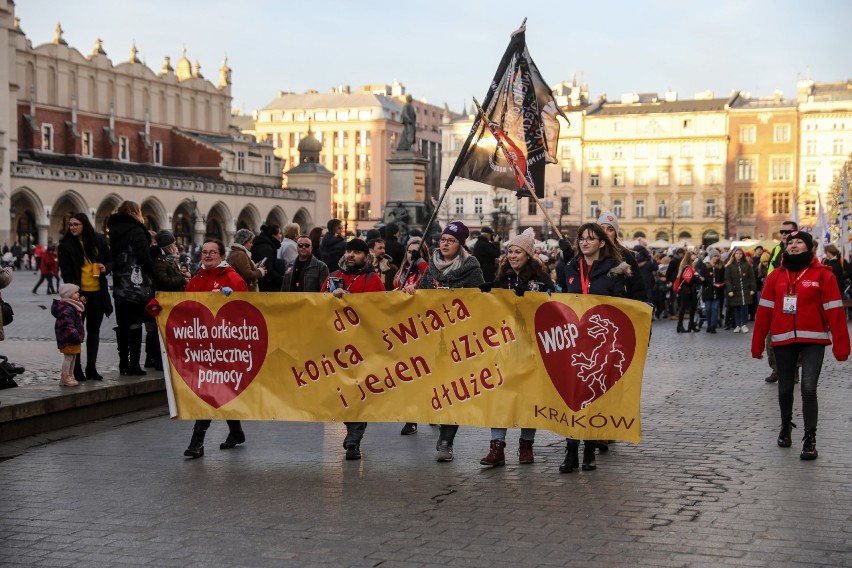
(707, 486)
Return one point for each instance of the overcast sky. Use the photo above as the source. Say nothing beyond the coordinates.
(447, 51)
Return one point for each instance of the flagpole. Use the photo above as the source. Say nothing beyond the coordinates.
(543, 209)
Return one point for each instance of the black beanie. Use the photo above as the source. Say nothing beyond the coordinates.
(357, 244)
(803, 236)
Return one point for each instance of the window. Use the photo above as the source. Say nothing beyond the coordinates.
(641, 150)
(566, 152)
(241, 161)
(267, 165)
(709, 207)
(88, 149)
(781, 169)
(594, 208)
(595, 180)
(47, 137)
(641, 177)
(685, 208)
(810, 175)
(664, 151)
(810, 207)
(618, 179)
(618, 126)
(663, 177)
(662, 208)
(618, 152)
(746, 170)
(811, 147)
(123, 149)
(782, 133)
(362, 211)
(459, 208)
(158, 153)
(780, 202)
(713, 176)
(748, 134)
(686, 150)
(712, 149)
(639, 208)
(566, 175)
(477, 205)
(686, 177)
(594, 153)
(531, 207)
(687, 124)
(565, 206)
(367, 184)
(618, 208)
(837, 147)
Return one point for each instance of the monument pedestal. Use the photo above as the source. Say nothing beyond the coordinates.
(407, 191)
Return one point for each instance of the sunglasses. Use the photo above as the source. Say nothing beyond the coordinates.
(303, 245)
(785, 232)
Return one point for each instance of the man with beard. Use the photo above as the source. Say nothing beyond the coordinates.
(382, 263)
(356, 275)
(306, 273)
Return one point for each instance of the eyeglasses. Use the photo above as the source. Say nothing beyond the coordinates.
(304, 245)
(448, 241)
(785, 231)
(587, 239)
(209, 253)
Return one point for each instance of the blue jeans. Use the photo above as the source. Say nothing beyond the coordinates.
(354, 433)
(712, 308)
(786, 358)
(740, 315)
(500, 434)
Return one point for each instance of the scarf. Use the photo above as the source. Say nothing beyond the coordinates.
(78, 305)
(796, 262)
(445, 266)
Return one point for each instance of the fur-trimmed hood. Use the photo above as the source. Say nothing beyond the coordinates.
(623, 269)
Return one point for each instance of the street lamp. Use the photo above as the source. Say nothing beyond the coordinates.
(345, 218)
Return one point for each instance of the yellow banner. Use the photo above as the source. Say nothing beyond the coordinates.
(567, 363)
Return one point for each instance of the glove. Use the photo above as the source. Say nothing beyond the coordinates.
(567, 249)
(486, 286)
(227, 291)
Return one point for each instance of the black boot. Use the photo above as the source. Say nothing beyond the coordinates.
(235, 435)
(589, 456)
(79, 376)
(196, 444)
(152, 351)
(809, 451)
(784, 440)
(92, 361)
(134, 351)
(572, 458)
(121, 339)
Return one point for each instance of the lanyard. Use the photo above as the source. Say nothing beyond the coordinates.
(585, 275)
(794, 282)
(353, 282)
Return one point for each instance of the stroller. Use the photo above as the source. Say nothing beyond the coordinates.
(701, 311)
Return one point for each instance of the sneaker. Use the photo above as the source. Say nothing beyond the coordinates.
(744, 329)
(445, 451)
(353, 452)
(408, 429)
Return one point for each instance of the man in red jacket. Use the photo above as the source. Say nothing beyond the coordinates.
(356, 275)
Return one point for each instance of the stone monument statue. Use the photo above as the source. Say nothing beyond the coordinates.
(409, 125)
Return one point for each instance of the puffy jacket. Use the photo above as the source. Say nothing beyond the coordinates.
(267, 247)
(820, 317)
(739, 279)
(714, 283)
(213, 280)
(69, 324)
(608, 277)
(358, 281)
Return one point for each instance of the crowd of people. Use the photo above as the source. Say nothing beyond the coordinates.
(794, 299)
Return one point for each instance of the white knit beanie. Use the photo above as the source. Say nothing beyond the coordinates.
(525, 241)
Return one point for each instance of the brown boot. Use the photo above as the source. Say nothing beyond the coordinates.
(496, 456)
(525, 451)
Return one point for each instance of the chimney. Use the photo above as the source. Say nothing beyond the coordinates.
(671, 96)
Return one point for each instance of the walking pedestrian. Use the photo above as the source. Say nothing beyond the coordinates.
(450, 266)
(597, 269)
(68, 310)
(520, 270)
(48, 269)
(801, 310)
(215, 275)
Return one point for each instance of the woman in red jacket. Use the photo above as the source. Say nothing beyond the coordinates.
(801, 309)
(215, 276)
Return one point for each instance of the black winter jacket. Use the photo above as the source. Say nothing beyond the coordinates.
(267, 247)
(607, 278)
(331, 249)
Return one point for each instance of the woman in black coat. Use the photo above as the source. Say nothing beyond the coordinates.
(265, 248)
(129, 240)
(85, 260)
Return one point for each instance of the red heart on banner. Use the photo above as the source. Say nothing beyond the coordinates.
(217, 357)
(584, 357)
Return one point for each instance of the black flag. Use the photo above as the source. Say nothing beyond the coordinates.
(521, 103)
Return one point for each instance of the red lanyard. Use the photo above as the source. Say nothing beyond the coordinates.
(353, 282)
(585, 275)
(794, 282)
